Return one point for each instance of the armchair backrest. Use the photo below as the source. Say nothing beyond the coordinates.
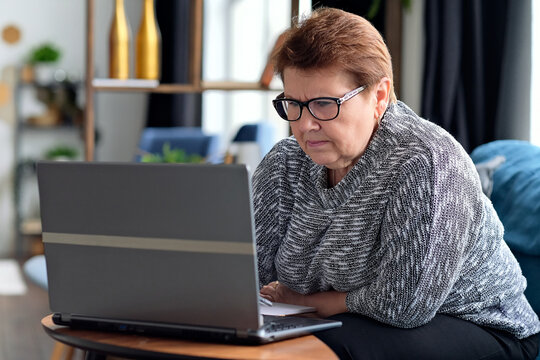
(190, 139)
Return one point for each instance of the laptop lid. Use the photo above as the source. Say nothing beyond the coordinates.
(171, 243)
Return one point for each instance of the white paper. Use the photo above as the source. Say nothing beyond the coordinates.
(280, 309)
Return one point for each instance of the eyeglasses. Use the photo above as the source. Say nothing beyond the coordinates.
(322, 108)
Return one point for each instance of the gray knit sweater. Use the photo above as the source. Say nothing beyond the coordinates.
(407, 233)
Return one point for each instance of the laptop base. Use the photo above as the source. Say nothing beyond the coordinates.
(279, 324)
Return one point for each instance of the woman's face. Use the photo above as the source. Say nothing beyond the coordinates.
(339, 143)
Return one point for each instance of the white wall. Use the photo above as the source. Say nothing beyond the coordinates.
(61, 21)
(119, 117)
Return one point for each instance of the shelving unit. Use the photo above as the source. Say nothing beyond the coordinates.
(185, 88)
(195, 84)
(31, 141)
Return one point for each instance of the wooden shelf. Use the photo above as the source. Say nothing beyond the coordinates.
(187, 88)
(44, 128)
(195, 85)
(162, 88)
(234, 85)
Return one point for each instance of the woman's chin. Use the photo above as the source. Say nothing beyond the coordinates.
(322, 160)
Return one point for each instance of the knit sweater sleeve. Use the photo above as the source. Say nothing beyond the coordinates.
(425, 233)
(268, 189)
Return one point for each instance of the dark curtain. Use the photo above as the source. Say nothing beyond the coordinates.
(359, 7)
(465, 41)
(166, 110)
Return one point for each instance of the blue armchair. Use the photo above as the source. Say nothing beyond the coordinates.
(251, 143)
(190, 139)
(261, 133)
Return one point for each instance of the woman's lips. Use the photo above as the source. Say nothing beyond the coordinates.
(316, 143)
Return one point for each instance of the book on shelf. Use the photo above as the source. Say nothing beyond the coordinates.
(128, 83)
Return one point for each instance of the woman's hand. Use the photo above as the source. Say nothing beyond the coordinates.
(277, 292)
(327, 303)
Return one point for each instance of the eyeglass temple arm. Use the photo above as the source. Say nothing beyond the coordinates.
(351, 94)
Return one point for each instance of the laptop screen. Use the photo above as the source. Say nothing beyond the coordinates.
(167, 243)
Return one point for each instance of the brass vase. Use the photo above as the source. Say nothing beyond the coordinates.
(119, 39)
(148, 45)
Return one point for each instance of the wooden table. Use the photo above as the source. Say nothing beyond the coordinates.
(99, 344)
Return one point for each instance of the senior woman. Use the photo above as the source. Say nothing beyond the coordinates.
(376, 217)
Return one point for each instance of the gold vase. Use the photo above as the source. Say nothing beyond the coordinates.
(148, 45)
(119, 39)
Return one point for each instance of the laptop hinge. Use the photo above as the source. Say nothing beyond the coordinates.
(61, 319)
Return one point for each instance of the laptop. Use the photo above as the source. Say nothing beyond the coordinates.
(160, 249)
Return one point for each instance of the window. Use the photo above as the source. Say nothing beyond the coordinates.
(238, 36)
(535, 74)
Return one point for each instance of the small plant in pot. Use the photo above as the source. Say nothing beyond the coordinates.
(43, 59)
(169, 155)
(61, 153)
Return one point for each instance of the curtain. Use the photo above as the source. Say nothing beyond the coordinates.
(166, 110)
(465, 44)
(359, 7)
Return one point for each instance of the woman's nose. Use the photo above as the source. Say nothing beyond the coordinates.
(307, 121)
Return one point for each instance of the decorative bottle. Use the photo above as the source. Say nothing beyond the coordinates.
(119, 39)
(148, 45)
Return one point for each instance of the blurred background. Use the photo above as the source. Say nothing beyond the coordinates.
(471, 66)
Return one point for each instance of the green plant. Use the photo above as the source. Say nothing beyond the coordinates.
(376, 5)
(45, 53)
(169, 155)
(61, 152)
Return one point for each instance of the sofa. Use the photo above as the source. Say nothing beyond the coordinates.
(510, 174)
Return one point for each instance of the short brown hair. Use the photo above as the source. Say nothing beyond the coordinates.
(335, 38)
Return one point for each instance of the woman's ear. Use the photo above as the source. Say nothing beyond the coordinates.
(382, 94)
(383, 91)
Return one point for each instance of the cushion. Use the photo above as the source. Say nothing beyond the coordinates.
(530, 266)
(36, 270)
(515, 190)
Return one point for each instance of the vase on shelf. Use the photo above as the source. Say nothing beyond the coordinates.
(148, 45)
(119, 39)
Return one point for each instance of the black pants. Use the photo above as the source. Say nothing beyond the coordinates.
(444, 337)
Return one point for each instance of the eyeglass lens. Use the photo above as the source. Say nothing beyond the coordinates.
(322, 109)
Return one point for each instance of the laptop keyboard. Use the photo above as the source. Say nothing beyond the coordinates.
(280, 323)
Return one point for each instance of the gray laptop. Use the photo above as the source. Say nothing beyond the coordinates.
(165, 249)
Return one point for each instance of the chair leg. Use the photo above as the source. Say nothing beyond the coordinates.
(69, 352)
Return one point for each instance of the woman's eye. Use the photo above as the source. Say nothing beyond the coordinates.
(323, 103)
(292, 104)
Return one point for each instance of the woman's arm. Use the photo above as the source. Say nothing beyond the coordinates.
(269, 195)
(429, 226)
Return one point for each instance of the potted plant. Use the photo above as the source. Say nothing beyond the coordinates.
(61, 153)
(169, 155)
(43, 59)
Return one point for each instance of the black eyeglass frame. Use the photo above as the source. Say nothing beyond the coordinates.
(280, 98)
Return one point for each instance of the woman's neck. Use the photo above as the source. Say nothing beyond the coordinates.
(336, 175)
